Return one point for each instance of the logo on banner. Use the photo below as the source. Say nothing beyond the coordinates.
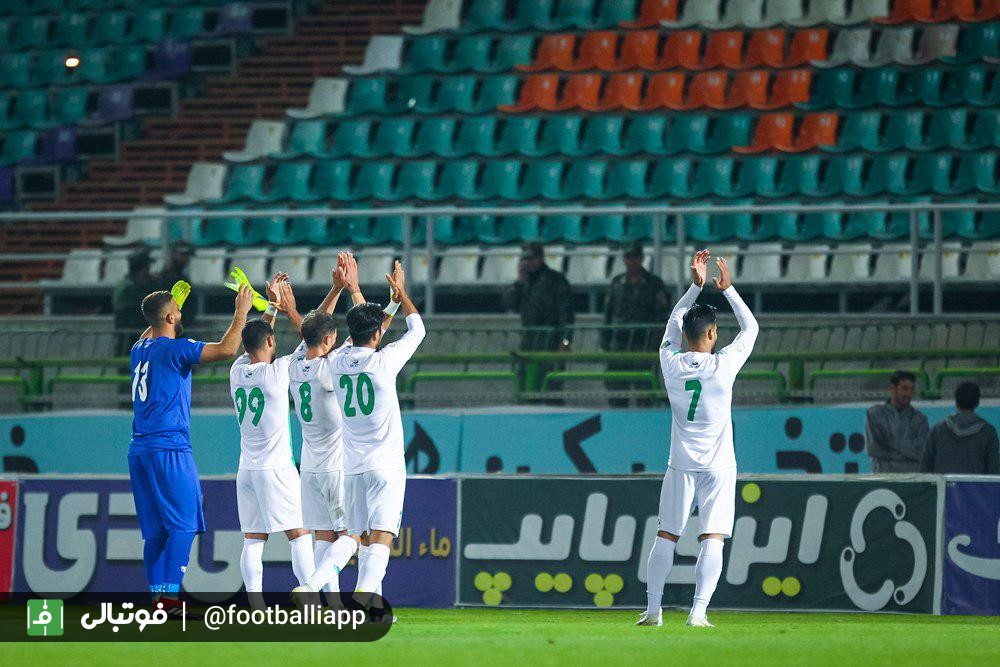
(8, 504)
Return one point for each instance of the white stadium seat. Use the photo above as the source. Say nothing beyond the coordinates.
(459, 266)
(207, 267)
(254, 262)
(204, 181)
(146, 230)
(263, 138)
(848, 267)
(294, 260)
(764, 268)
(670, 264)
(500, 265)
(438, 15)
(82, 267)
(373, 263)
(950, 255)
(115, 267)
(327, 96)
(892, 263)
(384, 52)
(588, 265)
(984, 264)
(809, 268)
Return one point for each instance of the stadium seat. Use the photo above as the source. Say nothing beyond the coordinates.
(32, 32)
(186, 23)
(627, 178)
(459, 266)
(445, 137)
(588, 265)
(500, 180)
(70, 30)
(950, 255)
(383, 52)
(892, 264)
(438, 15)
(244, 182)
(30, 109)
(559, 135)
(849, 46)
(140, 230)
(596, 51)
(350, 138)
(682, 49)
(601, 135)
(82, 268)
(807, 268)
(529, 16)
(229, 230)
(271, 230)
(664, 90)
(764, 266)
(323, 259)
(850, 263)
(263, 138)
(326, 97)
(652, 13)
(985, 132)
(426, 54)
(748, 13)
(555, 52)
(207, 266)
(511, 50)
(148, 25)
(115, 267)
(483, 15)
(290, 180)
(500, 264)
(518, 136)
(15, 70)
(393, 136)
(253, 261)
(294, 260)
(696, 14)
(306, 139)
(373, 180)
(373, 263)
(205, 181)
(644, 133)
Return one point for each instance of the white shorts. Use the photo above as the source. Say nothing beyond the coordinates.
(323, 500)
(375, 501)
(713, 492)
(269, 501)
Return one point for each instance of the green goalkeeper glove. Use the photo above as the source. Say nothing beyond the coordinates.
(240, 278)
(180, 292)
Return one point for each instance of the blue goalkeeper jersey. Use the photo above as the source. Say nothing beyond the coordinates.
(161, 393)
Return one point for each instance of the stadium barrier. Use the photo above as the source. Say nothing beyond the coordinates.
(801, 439)
(913, 544)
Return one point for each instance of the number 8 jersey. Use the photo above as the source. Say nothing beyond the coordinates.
(318, 411)
(365, 383)
(260, 394)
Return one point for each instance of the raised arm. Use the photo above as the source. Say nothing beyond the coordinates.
(741, 347)
(399, 352)
(673, 335)
(229, 345)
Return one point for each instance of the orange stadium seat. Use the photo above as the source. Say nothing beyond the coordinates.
(724, 49)
(772, 130)
(708, 89)
(652, 12)
(750, 89)
(623, 91)
(554, 52)
(581, 91)
(639, 51)
(682, 49)
(766, 49)
(537, 92)
(807, 46)
(905, 11)
(777, 132)
(664, 91)
(965, 10)
(747, 89)
(597, 51)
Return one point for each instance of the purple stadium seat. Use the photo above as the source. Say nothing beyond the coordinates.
(234, 19)
(58, 145)
(113, 103)
(6, 185)
(173, 59)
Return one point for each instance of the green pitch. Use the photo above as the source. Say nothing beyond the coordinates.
(481, 637)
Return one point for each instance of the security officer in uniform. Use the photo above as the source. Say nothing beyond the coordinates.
(634, 297)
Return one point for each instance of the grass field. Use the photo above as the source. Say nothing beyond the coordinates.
(527, 638)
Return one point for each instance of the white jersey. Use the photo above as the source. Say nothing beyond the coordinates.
(319, 414)
(700, 388)
(260, 394)
(365, 383)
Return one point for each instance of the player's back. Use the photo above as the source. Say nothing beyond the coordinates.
(161, 392)
(318, 412)
(260, 394)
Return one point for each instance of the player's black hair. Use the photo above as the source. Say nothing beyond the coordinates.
(698, 319)
(154, 307)
(316, 326)
(363, 320)
(967, 396)
(900, 376)
(255, 334)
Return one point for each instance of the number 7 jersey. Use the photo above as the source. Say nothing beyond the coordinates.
(365, 383)
(260, 395)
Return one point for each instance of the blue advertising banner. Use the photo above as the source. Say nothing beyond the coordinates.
(77, 535)
(803, 439)
(971, 583)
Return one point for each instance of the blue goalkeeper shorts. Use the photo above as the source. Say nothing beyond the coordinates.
(167, 493)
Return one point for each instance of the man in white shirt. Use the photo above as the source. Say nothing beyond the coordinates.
(701, 470)
(364, 380)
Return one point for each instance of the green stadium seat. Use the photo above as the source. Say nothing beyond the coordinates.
(985, 132)
(70, 106)
(904, 129)
(31, 108)
(455, 94)
(433, 137)
(472, 52)
(350, 138)
(858, 131)
(377, 231)
(976, 42)
(246, 181)
(425, 53)
(17, 147)
(416, 181)
(892, 87)
(560, 135)
(6, 106)
(542, 180)
(670, 178)
(111, 28)
(315, 231)
(584, 180)
(561, 228)
(50, 69)
(455, 231)
(373, 181)
(94, 66)
(686, 130)
(724, 132)
(529, 15)
(983, 168)
(500, 180)
(129, 63)
(976, 226)
(975, 85)
(644, 134)
(413, 94)
(307, 139)
(754, 176)
(331, 180)
(797, 227)
(269, 230)
(598, 228)
(495, 91)
(641, 227)
(31, 32)
(393, 136)
(833, 174)
(519, 136)
(711, 176)
(187, 22)
(705, 228)
(148, 25)
(458, 180)
(218, 231)
(763, 226)
(512, 229)
(627, 178)
(368, 95)
(474, 137)
(290, 181)
(602, 135)
(70, 30)
(879, 225)
(570, 14)
(484, 15)
(511, 51)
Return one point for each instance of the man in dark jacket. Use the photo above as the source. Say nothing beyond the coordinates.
(964, 443)
(543, 297)
(895, 431)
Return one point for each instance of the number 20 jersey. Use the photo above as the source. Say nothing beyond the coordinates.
(319, 414)
(260, 395)
(365, 383)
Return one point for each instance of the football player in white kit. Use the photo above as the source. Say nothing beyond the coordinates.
(364, 379)
(267, 484)
(701, 470)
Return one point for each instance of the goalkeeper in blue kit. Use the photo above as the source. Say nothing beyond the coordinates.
(165, 484)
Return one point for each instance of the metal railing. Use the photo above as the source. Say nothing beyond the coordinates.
(427, 215)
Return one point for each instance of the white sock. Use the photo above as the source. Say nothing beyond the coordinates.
(706, 573)
(334, 560)
(319, 550)
(252, 565)
(661, 559)
(373, 569)
(362, 557)
(302, 557)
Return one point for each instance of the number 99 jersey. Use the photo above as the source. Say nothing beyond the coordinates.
(319, 414)
(260, 395)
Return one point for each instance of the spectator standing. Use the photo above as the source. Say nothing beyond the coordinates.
(964, 443)
(895, 431)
